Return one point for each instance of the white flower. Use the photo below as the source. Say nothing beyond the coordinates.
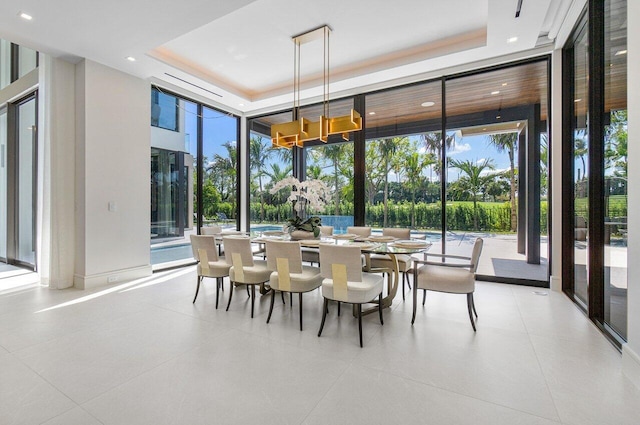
(309, 193)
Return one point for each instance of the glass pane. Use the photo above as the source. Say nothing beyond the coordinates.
(26, 181)
(5, 63)
(268, 211)
(27, 60)
(581, 170)
(333, 164)
(490, 116)
(165, 110)
(3, 184)
(402, 160)
(615, 166)
(219, 203)
(173, 156)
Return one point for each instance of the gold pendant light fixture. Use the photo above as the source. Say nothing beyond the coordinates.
(295, 133)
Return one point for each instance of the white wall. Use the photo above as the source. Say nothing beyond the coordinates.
(631, 351)
(556, 170)
(112, 168)
(56, 180)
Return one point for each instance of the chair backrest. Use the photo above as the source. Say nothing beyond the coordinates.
(238, 245)
(475, 254)
(350, 256)
(284, 249)
(397, 232)
(211, 230)
(326, 230)
(359, 230)
(208, 243)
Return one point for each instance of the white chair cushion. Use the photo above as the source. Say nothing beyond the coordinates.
(258, 273)
(216, 269)
(357, 292)
(306, 281)
(380, 261)
(446, 279)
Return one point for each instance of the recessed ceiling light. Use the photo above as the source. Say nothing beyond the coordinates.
(495, 92)
(484, 129)
(577, 100)
(504, 84)
(621, 52)
(512, 39)
(372, 113)
(240, 104)
(427, 104)
(498, 117)
(25, 16)
(130, 58)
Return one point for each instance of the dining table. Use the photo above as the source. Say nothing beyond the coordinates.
(374, 244)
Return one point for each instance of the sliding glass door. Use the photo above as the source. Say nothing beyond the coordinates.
(3, 185)
(26, 138)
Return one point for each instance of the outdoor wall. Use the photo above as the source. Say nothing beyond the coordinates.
(112, 176)
(631, 351)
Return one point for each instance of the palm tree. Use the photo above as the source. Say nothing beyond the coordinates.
(259, 154)
(414, 164)
(580, 150)
(276, 174)
(473, 180)
(433, 143)
(508, 142)
(387, 149)
(334, 153)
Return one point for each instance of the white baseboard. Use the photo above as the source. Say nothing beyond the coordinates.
(111, 278)
(631, 365)
(556, 284)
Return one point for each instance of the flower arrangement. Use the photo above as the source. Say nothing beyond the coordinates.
(305, 195)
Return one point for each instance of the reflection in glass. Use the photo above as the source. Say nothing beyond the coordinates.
(580, 164)
(26, 178)
(615, 166)
(3, 185)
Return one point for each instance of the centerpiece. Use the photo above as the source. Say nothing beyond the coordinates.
(308, 195)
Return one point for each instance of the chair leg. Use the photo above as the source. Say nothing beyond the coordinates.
(282, 296)
(403, 286)
(380, 308)
(424, 297)
(248, 294)
(408, 281)
(230, 295)
(415, 297)
(218, 283)
(473, 304)
(253, 298)
(199, 278)
(360, 323)
(325, 308)
(470, 308)
(300, 302)
(290, 300)
(338, 308)
(273, 298)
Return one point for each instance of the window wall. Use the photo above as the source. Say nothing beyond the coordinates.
(15, 62)
(596, 237)
(193, 173)
(485, 176)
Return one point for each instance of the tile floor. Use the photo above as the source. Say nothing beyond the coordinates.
(142, 353)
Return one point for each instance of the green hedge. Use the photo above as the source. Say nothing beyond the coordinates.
(492, 217)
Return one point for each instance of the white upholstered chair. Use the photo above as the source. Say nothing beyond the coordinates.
(404, 260)
(209, 265)
(312, 255)
(344, 281)
(211, 230)
(457, 277)
(244, 269)
(289, 275)
(362, 231)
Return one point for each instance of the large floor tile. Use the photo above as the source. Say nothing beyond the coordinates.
(366, 396)
(88, 363)
(587, 384)
(25, 397)
(238, 379)
(77, 416)
(494, 365)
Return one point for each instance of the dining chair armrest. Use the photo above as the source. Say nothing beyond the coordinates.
(457, 257)
(433, 263)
